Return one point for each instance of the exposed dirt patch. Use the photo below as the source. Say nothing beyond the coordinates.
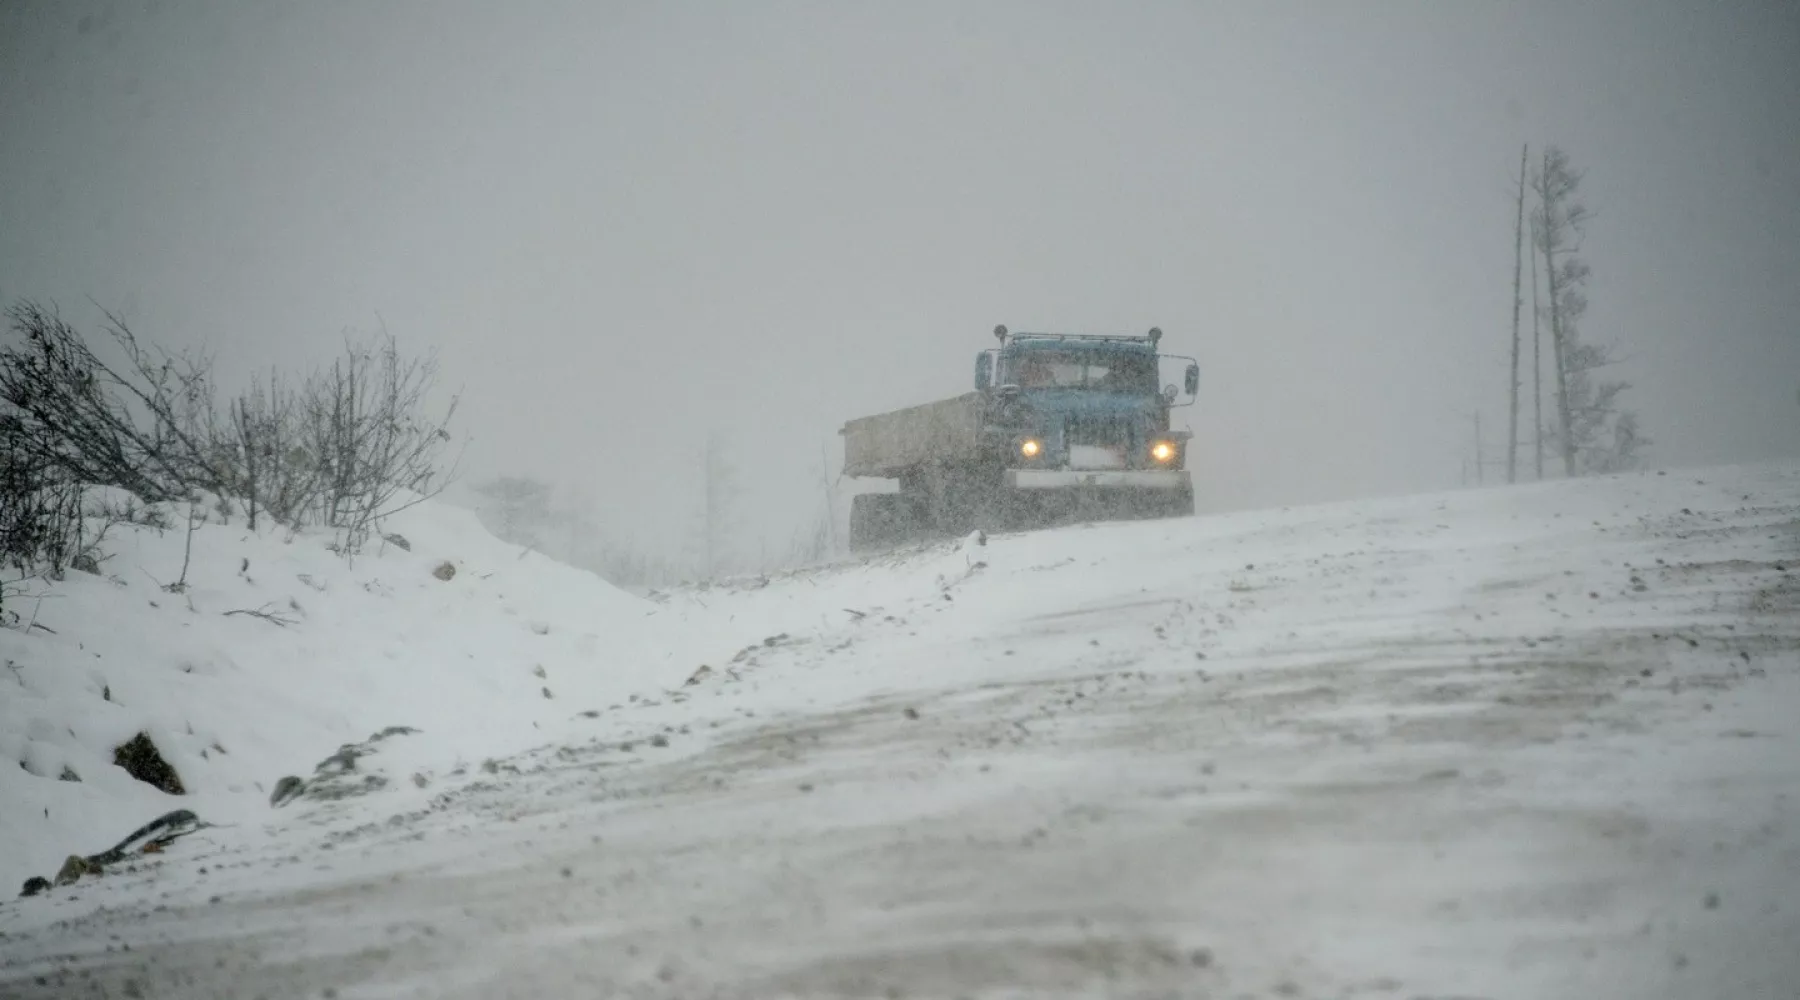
(1779, 598)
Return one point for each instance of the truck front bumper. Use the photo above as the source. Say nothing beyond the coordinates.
(1061, 479)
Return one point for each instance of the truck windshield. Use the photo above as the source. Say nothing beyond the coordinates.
(1085, 370)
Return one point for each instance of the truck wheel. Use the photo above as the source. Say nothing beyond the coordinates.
(880, 520)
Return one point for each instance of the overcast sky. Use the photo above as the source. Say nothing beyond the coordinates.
(624, 224)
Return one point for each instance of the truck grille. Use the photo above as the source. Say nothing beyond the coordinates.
(1104, 443)
(1105, 432)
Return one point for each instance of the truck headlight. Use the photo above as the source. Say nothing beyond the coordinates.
(1162, 451)
(1030, 447)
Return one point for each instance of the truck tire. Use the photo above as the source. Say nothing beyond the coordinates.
(881, 520)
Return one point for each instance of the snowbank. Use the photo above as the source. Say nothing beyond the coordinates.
(278, 651)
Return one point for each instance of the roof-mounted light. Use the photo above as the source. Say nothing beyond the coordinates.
(1155, 335)
(1000, 333)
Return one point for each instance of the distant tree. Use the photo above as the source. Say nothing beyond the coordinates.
(1627, 448)
(1587, 411)
(813, 542)
(1512, 432)
(1560, 224)
(1537, 364)
(721, 522)
(828, 486)
(571, 532)
(520, 507)
(1605, 438)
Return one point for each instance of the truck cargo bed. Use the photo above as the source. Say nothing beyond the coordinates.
(887, 444)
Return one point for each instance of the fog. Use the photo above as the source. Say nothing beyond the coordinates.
(624, 226)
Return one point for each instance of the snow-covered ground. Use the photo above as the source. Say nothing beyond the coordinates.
(1541, 741)
(276, 652)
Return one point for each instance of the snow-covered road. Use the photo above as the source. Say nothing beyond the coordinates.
(1537, 742)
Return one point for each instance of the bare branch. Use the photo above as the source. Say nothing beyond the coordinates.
(266, 614)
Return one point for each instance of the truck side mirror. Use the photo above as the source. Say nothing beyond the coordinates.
(1193, 380)
(984, 370)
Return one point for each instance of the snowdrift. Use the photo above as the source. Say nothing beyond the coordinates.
(278, 651)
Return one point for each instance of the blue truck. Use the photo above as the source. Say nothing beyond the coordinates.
(1060, 427)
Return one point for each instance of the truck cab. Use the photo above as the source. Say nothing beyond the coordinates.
(1073, 403)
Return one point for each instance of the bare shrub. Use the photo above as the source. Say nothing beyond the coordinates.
(145, 425)
(40, 508)
(342, 449)
(275, 468)
(365, 436)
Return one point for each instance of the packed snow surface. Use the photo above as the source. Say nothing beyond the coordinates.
(1539, 741)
